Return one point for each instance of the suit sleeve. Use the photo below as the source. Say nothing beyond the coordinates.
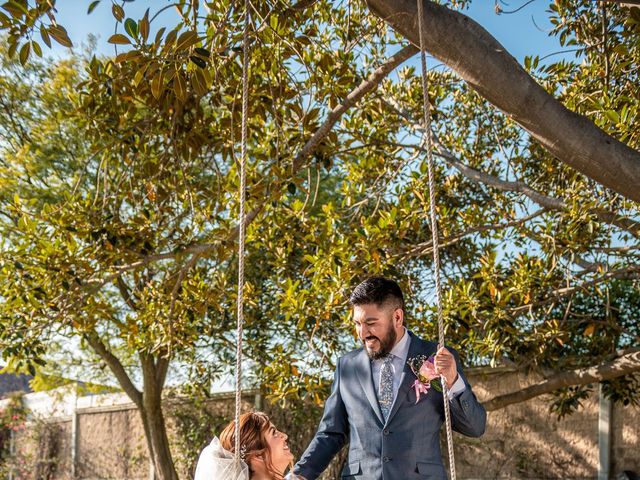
(332, 435)
(468, 416)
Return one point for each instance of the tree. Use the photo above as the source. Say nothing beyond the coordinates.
(120, 192)
(486, 65)
(121, 201)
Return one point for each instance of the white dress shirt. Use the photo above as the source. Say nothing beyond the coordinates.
(399, 353)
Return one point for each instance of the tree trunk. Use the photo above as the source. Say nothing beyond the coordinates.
(153, 419)
(157, 440)
(148, 402)
(481, 61)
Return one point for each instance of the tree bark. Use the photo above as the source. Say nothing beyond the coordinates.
(153, 418)
(623, 365)
(484, 63)
(148, 401)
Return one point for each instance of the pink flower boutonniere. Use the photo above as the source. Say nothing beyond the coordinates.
(424, 368)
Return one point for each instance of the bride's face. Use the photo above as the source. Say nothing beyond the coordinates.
(281, 456)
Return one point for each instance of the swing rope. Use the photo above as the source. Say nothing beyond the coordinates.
(242, 233)
(434, 229)
(242, 230)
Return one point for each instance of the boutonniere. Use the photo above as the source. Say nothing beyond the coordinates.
(424, 368)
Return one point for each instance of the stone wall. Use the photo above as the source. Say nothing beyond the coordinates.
(111, 444)
(522, 441)
(525, 440)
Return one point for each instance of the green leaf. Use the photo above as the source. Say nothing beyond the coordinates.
(16, 9)
(143, 26)
(186, 40)
(36, 48)
(613, 116)
(45, 36)
(131, 27)
(60, 35)
(119, 39)
(198, 61)
(118, 12)
(24, 53)
(157, 84)
(13, 46)
(180, 87)
(203, 52)
(92, 6)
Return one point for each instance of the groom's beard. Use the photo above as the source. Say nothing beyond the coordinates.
(386, 344)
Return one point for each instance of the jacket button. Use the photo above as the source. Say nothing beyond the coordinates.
(385, 459)
(386, 431)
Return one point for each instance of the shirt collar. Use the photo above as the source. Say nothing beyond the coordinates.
(401, 349)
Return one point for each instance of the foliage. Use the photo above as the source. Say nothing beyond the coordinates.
(36, 454)
(195, 426)
(12, 420)
(119, 181)
(13, 415)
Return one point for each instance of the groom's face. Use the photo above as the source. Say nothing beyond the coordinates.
(378, 327)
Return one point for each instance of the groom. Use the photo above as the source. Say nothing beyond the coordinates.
(393, 433)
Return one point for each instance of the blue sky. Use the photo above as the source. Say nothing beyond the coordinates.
(522, 33)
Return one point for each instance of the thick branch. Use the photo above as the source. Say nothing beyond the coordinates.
(481, 61)
(116, 367)
(125, 292)
(545, 201)
(623, 365)
(625, 3)
(162, 367)
(424, 248)
(541, 199)
(360, 91)
(622, 273)
(366, 86)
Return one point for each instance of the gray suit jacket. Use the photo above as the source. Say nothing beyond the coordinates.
(407, 445)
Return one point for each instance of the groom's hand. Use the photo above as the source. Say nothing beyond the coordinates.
(446, 365)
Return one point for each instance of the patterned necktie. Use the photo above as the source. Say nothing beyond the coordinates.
(385, 389)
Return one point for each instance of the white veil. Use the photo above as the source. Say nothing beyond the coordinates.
(216, 463)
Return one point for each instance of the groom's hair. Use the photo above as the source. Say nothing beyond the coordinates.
(378, 291)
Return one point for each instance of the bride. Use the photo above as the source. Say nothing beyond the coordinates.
(264, 452)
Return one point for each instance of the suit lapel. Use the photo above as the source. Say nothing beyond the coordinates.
(363, 371)
(408, 377)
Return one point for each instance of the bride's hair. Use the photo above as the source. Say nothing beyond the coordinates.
(253, 443)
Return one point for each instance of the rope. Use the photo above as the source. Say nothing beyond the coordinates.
(434, 230)
(241, 235)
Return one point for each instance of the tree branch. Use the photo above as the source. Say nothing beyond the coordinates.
(623, 365)
(116, 367)
(162, 367)
(624, 273)
(366, 86)
(545, 201)
(483, 63)
(125, 292)
(424, 248)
